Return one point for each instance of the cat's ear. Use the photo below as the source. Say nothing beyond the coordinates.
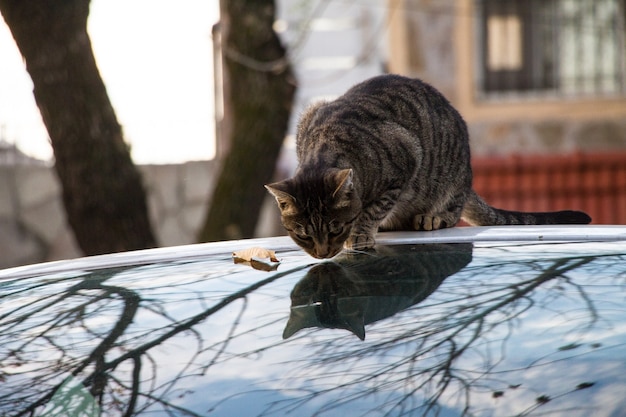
(352, 314)
(286, 202)
(343, 187)
(301, 317)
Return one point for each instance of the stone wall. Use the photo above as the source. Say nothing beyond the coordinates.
(177, 199)
(545, 137)
(32, 220)
(33, 227)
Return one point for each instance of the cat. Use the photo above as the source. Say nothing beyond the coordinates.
(390, 154)
(354, 290)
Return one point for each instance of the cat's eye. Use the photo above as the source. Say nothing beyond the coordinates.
(300, 233)
(302, 237)
(335, 231)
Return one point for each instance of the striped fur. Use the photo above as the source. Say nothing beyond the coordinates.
(390, 154)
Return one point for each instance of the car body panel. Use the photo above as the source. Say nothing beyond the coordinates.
(477, 322)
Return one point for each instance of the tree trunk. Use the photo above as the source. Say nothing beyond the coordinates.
(103, 195)
(257, 102)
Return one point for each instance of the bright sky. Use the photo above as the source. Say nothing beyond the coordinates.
(155, 57)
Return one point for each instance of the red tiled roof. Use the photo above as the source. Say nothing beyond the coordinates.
(594, 183)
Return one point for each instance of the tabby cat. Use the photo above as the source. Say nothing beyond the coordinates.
(390, 154)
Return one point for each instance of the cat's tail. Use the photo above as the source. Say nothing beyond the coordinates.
(478, 213)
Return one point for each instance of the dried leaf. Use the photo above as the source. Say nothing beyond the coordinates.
(246, 255)
(258, 258)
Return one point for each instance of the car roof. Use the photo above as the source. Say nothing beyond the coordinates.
(558, 233)
(469, 321)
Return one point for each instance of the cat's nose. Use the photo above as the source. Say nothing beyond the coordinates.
(323, 252)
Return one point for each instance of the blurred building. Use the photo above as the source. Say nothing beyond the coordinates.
(530, 77)
(332, 46)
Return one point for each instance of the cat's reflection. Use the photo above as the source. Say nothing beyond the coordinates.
(353, 290)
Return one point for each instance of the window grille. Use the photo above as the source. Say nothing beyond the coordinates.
(561, 47)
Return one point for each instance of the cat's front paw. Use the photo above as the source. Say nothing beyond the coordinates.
(360, 242)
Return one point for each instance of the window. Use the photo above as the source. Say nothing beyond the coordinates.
(566, 47)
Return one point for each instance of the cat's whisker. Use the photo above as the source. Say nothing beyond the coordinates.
(352, 251)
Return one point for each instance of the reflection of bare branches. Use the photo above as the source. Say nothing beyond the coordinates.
(444, 370)
(74, 308)
(446, 352)
(229, 337)
(462, 323)
(130, 304)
